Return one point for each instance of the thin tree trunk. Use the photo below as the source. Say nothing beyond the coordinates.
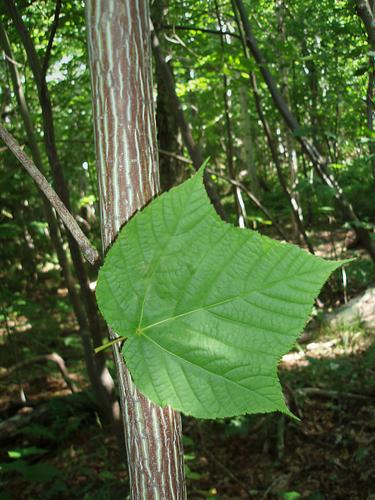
(120, 62)
(54, 161)
(370, 110)
(238, 201)
(319, 163)
(275, 157)
(187, 136)
(291, 153)
(248, 143)
(108, 396)
(166, 123)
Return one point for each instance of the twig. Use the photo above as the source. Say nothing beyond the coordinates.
(12, 60)
(273, 483)
(87, 249)
(175, 156)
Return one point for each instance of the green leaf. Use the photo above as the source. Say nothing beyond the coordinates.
(289, 495)
(26, 452)
(207, 308)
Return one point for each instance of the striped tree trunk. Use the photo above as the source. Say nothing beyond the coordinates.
(126, 148)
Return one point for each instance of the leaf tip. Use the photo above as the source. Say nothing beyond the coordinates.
(202, 168)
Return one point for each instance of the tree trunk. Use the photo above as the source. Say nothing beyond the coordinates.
(238, 201)
(120, 62)
(166, 123)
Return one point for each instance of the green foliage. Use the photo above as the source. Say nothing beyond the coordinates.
(42, 472)
(207, 309)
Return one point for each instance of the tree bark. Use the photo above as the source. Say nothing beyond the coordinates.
(319, 163)
(120, 62)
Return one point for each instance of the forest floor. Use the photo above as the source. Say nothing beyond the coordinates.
(53, 446)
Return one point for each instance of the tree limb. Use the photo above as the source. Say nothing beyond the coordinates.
(87, 249)
(180, 158)
(316, 391)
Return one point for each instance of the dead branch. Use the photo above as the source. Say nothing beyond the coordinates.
(330, 394)
(54, 358)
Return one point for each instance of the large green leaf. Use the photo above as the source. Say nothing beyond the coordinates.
(207, 308)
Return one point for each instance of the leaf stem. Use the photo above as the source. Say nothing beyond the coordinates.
(109, 344)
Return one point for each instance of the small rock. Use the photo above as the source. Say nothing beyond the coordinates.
(360, 310)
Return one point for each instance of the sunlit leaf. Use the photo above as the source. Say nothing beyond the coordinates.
(208, 309)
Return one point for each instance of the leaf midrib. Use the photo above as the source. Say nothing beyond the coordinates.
(225, 301)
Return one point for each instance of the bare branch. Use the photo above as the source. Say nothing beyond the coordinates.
(176, 27)
(316, 391)
(87, 249)
(180, 158)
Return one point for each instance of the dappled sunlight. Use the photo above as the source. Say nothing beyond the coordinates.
(339, 343)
